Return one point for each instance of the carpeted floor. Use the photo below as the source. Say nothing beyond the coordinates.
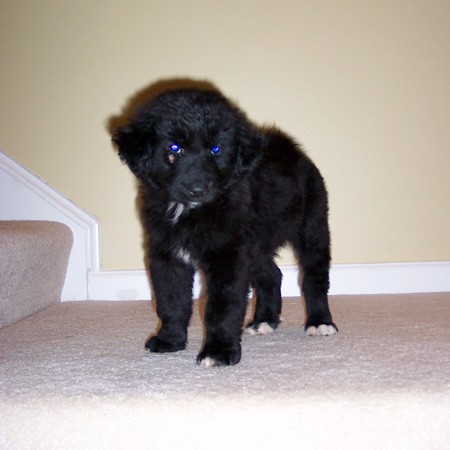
(77, 376)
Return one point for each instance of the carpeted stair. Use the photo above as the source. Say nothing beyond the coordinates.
(33, 264)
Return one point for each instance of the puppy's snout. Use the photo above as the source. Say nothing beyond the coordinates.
(199, 189)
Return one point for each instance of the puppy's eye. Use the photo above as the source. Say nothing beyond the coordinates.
(215, 150)
(175, 148)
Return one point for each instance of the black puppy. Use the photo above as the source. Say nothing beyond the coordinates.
(222, 195)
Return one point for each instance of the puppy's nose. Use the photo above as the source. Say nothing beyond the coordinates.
(198, 189)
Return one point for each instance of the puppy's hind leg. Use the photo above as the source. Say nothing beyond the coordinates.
(315, 284)
(313, 248)
(267, 283)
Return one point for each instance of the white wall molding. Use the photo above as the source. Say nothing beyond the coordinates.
(24, 196)
(390, 278)
(346, 279)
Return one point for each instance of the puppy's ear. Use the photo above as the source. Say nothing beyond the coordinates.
(250, 145)
(134, 144)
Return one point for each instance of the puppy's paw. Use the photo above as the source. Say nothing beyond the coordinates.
(262, 327)
(208, 362)
(259, 328)
(157, 345)
(321, 330)
(210, 357)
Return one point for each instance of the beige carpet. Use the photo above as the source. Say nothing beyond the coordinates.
(76, 376)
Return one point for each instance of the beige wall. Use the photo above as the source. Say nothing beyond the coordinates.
(364, 85)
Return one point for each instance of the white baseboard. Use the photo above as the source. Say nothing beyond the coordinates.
(390, 278)
(346, 279)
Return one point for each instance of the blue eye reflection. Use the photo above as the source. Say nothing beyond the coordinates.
(174, 148)
(215, 150)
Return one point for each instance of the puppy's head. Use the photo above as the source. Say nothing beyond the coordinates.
(192, 143)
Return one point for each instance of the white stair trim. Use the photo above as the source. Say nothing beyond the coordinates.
(24, 196)
(346, 279)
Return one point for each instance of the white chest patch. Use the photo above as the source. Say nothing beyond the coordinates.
(184, 256)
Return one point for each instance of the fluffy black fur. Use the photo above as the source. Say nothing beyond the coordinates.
(221, 195)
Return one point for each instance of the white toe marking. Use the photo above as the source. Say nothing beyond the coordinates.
(263, 328)
(249, 330)
(208, 362)
(311, 331)
(321, 330)
(326, 330)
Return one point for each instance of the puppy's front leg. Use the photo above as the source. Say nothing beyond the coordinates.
(225, 311)
(172, 283)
